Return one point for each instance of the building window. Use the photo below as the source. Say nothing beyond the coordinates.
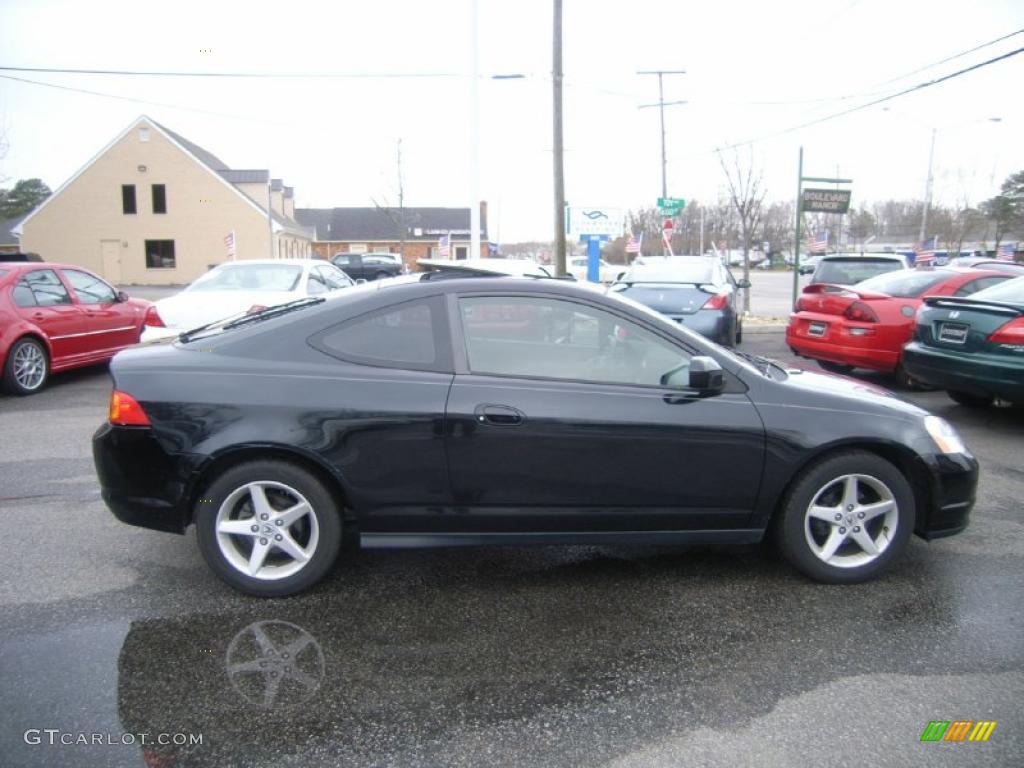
(160, 254)
(128, 198)
(143, 134)
(159, 198)
(461, 252)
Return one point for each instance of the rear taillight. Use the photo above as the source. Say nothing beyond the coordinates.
(125, 411)
(718, 301)
(153, 318)
(1011, 333)
(860, 312)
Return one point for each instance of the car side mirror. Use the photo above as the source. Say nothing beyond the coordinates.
(742, 283)
(122, 296)
(706, 376)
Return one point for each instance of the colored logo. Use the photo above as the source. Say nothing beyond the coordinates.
(958, 730)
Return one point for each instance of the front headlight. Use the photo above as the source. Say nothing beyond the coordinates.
(944, 435)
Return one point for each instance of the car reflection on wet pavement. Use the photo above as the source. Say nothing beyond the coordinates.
(503, 656)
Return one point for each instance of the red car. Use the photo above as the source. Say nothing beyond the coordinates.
(866, 326)
(58, 316)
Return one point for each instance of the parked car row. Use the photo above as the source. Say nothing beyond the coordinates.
(870, 324)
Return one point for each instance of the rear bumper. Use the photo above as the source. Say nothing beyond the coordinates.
(141, 483)
(976, 374)
(953, 481)
(713, 324)
(841, 346)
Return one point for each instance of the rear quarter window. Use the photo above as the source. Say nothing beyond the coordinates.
(411, 335)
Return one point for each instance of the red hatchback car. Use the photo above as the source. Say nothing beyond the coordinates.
(58, 316)
(866, 326)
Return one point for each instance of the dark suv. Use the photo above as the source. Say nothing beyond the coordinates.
(368, 266)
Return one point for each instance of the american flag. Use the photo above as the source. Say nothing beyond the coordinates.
(633, 244)
(924, 253)
(1005, 252)
(817, 243)
(229, 243)
(444, 246)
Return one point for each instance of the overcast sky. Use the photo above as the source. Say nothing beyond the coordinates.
(755, 70)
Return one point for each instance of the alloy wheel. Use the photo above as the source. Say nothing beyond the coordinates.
(851, 520)
(267, 530)
(29, 366)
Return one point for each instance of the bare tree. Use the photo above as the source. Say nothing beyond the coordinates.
(746, 193)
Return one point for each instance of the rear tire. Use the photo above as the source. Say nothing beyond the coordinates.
(27, 367)
(838, 368)
(971, 401)
(268, 528)
(875, 509)
(380, 275)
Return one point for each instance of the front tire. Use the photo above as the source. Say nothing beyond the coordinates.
(838, 368)
(27, 367)
(268, 528)
(971, 401)
(846, 518)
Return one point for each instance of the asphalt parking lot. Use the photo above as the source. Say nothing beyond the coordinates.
(623, 656)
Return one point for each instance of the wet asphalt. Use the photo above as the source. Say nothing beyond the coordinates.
(553, 656)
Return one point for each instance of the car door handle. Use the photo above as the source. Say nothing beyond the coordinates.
(499, 415)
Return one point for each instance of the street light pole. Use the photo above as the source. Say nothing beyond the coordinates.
(559, 169)
(474, 209)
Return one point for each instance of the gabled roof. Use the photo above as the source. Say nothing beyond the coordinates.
(355, 224)
(217, 167)
(245, 177)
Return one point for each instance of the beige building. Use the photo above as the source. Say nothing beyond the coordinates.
(154, 208)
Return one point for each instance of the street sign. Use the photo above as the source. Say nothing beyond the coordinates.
(826, 200)
(594, 220)
(671, 206)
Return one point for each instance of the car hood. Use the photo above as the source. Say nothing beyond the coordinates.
(821, 390)
(190, 309)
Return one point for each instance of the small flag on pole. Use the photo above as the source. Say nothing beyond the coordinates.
(444, 246)
(924, 253)
(1006, 251)
(633, 244)
(229, 243)
(817, 243)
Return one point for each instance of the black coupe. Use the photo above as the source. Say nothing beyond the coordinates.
(445, 409)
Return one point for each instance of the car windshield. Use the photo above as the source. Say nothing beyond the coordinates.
(853, 270)
(905, 284)
(250, 277)
(680, 270)
(1008, 292)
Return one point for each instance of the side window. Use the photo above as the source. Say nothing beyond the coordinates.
(341, 260)
(334, 278)
(977, 285)
(555, 339)
(316, 283)
(89, 289)
(409, 335)
(22, 294)
(47, 288)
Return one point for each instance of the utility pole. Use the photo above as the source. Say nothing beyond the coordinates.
(474, 210)
(401, 209)
(556, 88)
(927, 191)
(661, 109)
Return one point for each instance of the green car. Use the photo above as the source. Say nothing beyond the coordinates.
(972, 347)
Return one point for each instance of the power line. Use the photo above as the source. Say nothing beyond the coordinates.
(136, 101)
(851, 110)
(265, 75)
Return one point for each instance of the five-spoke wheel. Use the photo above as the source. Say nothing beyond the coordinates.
(846, 517)
(268, 528)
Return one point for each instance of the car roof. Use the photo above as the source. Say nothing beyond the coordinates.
(865, 256)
